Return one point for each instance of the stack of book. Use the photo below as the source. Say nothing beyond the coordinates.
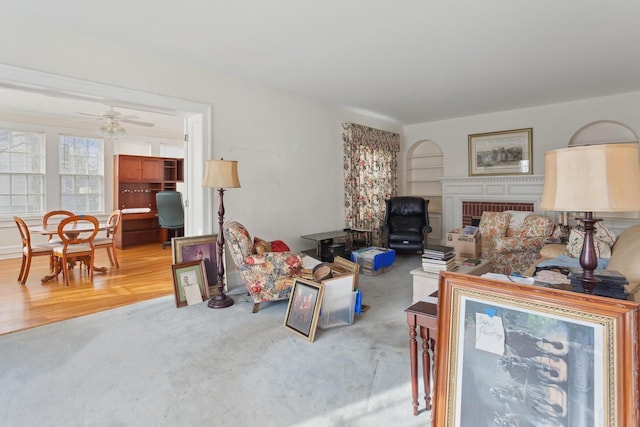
(611, 283)
(437, 258)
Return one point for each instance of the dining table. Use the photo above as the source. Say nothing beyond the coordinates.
(73, 230)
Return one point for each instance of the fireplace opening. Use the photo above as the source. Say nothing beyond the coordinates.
(472, 211)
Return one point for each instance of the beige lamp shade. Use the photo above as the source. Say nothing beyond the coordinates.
(221, 174)
(592, 178)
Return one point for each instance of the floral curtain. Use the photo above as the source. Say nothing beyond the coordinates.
(370, 176)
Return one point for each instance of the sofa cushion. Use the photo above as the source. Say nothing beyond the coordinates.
(493, 224)
(261, 246)
(626, 254)
(516, 221)
(279, 246)
(604, 239)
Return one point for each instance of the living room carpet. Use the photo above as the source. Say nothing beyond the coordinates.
(150, 364)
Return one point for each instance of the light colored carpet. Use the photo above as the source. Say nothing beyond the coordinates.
(150, 364)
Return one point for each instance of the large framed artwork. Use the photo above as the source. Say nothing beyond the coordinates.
(501, 153)
(195, 248)
(520, 355)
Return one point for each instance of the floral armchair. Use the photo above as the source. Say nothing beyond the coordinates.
(265, 275)
(511, 240)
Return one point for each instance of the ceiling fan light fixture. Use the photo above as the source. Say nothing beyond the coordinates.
(112, 129)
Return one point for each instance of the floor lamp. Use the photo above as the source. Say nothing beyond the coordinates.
(591, 178)
(221, 174)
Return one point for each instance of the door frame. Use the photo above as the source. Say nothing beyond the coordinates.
(198, 198)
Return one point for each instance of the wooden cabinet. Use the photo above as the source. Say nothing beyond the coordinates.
(137, 179)
(139, 168)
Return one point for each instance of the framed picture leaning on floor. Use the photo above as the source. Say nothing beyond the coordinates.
(195, 248)
(304, 308)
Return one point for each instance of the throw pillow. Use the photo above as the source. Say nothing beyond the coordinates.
(516, 220)
(493, 224)
(537, 226)
(576, 241)
(261, 246)
(279, 246)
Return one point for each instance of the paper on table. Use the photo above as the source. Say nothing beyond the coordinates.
(309, 262)
(136, 210)
(505, 278)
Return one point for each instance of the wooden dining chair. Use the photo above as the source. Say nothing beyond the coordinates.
(108, 242)
(30, 250)
(54, 217)
(76, 246)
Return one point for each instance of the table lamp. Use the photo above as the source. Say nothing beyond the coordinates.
(221, 174)
(591, 178)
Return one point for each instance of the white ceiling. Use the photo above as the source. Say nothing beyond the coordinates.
(408, 60)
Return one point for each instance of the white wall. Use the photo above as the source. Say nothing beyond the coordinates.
(289, 148)
(553, 126)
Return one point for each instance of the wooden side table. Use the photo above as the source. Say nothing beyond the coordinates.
(422, 314)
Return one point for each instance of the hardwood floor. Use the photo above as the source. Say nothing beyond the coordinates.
(144, 273)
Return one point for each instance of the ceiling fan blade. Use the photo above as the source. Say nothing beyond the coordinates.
(92, 115)
(135, 122)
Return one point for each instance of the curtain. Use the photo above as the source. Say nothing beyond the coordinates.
(370, 176)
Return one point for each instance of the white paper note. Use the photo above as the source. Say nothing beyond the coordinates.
(489, 333)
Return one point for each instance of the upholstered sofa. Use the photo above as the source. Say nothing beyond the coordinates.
(266, 275)
(625, 258)
(511, 240)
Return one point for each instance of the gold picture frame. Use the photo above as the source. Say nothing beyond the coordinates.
(194, 248)
(506, 152)
(303, 310)
(511, 353)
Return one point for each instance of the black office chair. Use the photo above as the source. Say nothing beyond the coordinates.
(406, 223)
(170, 213)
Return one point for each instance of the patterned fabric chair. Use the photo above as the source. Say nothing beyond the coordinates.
(513, 244)
(264, 275)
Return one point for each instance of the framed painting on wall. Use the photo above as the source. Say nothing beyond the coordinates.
(501, 153)
(511, 354)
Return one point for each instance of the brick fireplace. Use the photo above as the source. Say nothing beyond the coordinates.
(466, 197)
(471, 210)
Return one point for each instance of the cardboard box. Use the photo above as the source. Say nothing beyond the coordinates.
(466, 245)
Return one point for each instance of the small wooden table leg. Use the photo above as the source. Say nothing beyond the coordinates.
(426, 366)
(413, 352)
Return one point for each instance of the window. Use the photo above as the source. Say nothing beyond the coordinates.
(171, 150)
(22, 167)
(81, 174)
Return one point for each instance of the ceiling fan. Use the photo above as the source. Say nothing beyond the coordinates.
(111, 126)
(115, 117)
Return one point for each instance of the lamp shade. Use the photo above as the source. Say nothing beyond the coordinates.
(221, 174)
(592, 178)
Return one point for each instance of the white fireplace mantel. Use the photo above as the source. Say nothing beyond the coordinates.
(517, 189)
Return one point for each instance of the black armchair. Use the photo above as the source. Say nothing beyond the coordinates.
(406, 223)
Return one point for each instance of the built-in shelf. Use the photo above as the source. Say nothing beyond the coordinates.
(424, 169)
